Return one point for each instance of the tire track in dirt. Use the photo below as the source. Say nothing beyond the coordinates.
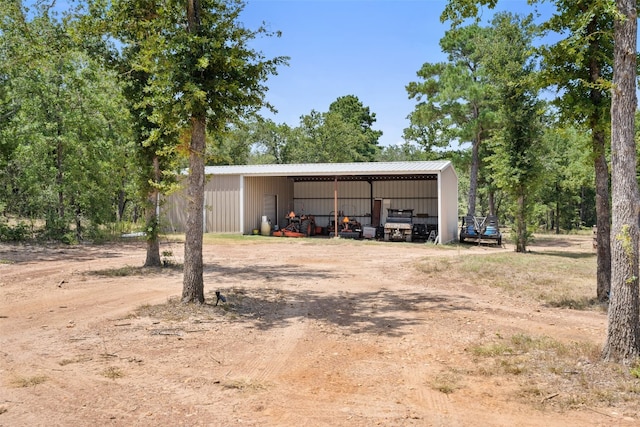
(273, 356)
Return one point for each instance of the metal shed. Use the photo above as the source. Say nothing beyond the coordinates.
(237, 197)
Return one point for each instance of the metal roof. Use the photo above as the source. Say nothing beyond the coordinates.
(341, 171)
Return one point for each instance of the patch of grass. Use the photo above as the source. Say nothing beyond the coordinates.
(513, 366)
(547, 372)
(112, 373)
(239, 305)
(634, 369)
(524, 343)
(531, 391)
(129, 270)
(125, 271)
(432, 269)
(243, 385)
(491, 350)
(566, 281)
(21, 382)
(580, 303)
(79, 359)
(168, 259)
(175, 311)
(234, 239)
(446, 383)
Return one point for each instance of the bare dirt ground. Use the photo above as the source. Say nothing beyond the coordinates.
(326, 333)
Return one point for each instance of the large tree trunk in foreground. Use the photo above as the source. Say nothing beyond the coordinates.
(193, 283)
(623, 334)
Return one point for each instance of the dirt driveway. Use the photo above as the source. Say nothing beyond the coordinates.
(346, 333)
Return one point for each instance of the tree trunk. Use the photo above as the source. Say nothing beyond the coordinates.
(473, 176)
(152, 220)
(60, 180)
(193, 283)
(598, 141)
(153, 242)
(492, 203)
(122, 204)
(521, 225)
(603, 219)
(557, 214)
(623, 332)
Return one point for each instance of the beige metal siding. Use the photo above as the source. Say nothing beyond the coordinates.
(221, 207)
(421, 196)
(255, 188)
(448, 227)
(173, 212)
(222, 204)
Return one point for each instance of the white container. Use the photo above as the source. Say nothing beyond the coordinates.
(265, 226)
(368, 232)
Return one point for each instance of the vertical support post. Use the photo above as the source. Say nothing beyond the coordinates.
(335, 207)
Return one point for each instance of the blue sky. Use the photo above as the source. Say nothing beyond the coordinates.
(368, 48)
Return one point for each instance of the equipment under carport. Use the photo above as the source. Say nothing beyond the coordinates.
(480, 228)
(347, 227)
(424, 232)
(298, 226)
(399, 225)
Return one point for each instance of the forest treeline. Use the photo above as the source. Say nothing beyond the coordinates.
(81, 143)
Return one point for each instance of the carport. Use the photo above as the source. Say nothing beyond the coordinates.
(238, 197)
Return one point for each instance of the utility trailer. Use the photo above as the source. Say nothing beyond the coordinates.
(399, 225)
(479, 228)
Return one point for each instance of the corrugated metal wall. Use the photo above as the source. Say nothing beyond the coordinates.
(421, 196)
(449, 205)
(255, 190)
(222, 212)
(221, 207)
(173, 213)
(354, 198)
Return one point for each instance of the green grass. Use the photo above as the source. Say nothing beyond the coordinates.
(546, 371)
(112, 373)
(32, 381)
(446, 383)
(560, 281)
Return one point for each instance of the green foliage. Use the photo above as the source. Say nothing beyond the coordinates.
(405, 152)
(456, 105)
(457, 11)
(254, 141)
(328, 138)
(455, 99)
(566, 194)
(342, 134)
(351, 111)
(580, 66)
(209, 70)
(517, 146)
(65, 127)
(17, 233)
